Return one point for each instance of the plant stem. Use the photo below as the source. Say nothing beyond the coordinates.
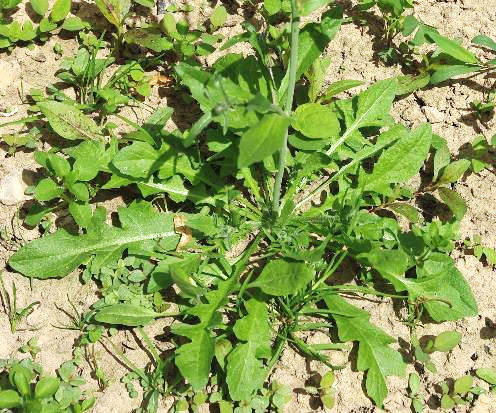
(293, 62)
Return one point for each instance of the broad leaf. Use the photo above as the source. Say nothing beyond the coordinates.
(56, 255)
(454, 201)
(60, 10)
(138, 160)
(262, 139)
(375, 102)
(316, 121)
(401, 161)
(194, 358)
(69, 122)
(283, 277)
(374, 354)
(305, 7)
(245, 370)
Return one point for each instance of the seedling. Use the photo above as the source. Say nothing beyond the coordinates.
(9, 303)
(413, 393)
(479, 251)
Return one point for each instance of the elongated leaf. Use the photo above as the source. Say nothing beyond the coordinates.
(60, 10)
(283, 277)
(402, 160)
(452, 48)
(56, 255)
(340, 86)
(488, 374)
(262, 140)
(446, 72)
(375, 102)
(69, 122)
(485, 41)
(126, 314)
(374, 354)
(245, 370)
(313, 40)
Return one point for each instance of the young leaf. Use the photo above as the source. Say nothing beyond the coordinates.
(402, 160)
(485, 41)
(453, 49)
(374, 354)
(218, 16)
(69, 122)
(445, 72)
(194, 358)
(262, 139)
(47, 189)
(283, 277)
(447, 340)
(56, 255)
(9, 399)
(454, 201)
(46, 387)
(245, 370)
(463, 384)
(316, 121)
(60, 10)
(453, 172)
(488, 374)
(40, 6)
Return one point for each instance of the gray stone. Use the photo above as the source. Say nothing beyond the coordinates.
(12, 187)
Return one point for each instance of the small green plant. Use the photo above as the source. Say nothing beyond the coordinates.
(479, 251)
(325, 391)
(31, 347)
(413, 392)
(25, 388)
(461, 392)
(485, 109)
(9, 303)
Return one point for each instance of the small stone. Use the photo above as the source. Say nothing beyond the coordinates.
(432, 114)
(12, 187)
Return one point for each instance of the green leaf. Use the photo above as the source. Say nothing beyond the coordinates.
(453, 172)
(245, 371)
(316, 121)
(340, 86)
(375, 102)
(490, 254)
(463, 384)
(56, 255)
(194, 359)
(40, 6)
(59, 166)
(408, 84)
(453, 49)
(46, 387)
(126, 314)
(60, 10)
(305, 7)
(485, 41)
(75, 24)
(313, 39)
(9, 399)
(138, 160)
(454, 201)
(488, 374)
(47, 189)
(114, 10)
(272, 6)
(262, 139)
(81, 212)
(374, 354)
(69, 122)
(283, 277)
(402, 160)
(408, 211)
(445, 72)
(447, 402)
(150, 38)
(218, 16)
(447, 340)
(35, 214)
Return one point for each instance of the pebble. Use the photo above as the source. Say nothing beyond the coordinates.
(432, 114)
(12, 187)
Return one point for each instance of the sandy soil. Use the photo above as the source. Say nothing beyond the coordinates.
(353, 54)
